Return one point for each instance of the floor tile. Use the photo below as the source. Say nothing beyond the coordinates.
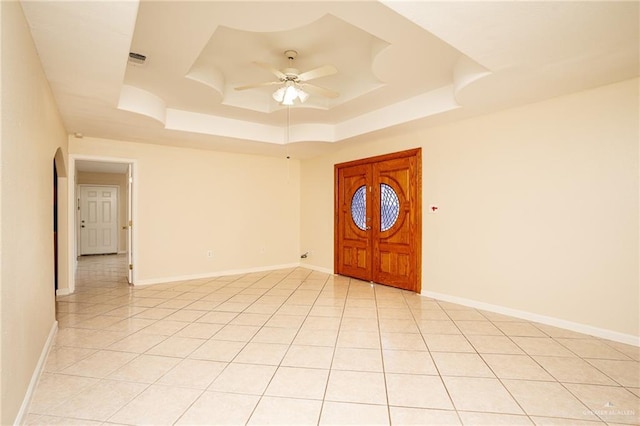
(516, 367)
(308, 356)
(411, 390)
(448, 343)
(199, 330)
(275, 335)
(216, 317)
(176, 346)
(216, 408)
(193, 373)
(144, 369)
(236, 333)
(612, 404)
(402, 341)
(345, 413)
(284, 320)
(63, 421)
(286, 411)
(547, 399)
(316, 337)
(156, 405)
(217, 350)
(558, 421)
(592, 348)
(250, 319)
(423, 416)
(262, 353)
(519, 329)
(164, 327)
(627, 373)
(544, 346)
(185, 315)
(492, 419)
(100, 364)
(294, 382)
(100, 401)
(62, 357)
(464, 392)
(357, 359)
(410, 362)
(461, 364)
(359, 339)
(294, 346)
(482, 328)
(438, 326)
(494, 345)
(356, 386)
(54, 389)
(244, 378)
(571, 370)
(137, 342)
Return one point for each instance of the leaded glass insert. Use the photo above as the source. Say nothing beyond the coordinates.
(389, 207)
(359, 207)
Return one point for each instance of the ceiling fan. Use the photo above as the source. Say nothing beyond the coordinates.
(294, 84)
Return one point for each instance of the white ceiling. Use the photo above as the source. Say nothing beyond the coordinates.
(399, 63)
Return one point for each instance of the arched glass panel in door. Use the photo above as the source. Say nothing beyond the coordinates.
(359, 208)
(389, 207)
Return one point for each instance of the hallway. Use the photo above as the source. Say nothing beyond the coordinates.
(301, 347)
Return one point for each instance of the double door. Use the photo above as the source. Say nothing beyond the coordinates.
(378, 219)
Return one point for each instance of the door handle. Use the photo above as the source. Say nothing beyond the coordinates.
(367, 228)
(81, 226)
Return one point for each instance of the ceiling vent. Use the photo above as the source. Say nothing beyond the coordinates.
(137, 58)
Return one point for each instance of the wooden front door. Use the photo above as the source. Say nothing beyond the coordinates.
(378, 219)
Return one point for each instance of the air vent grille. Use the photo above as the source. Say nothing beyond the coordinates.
(137, 58)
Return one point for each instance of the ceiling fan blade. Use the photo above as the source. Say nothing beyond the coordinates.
(275, 71)
(320, 91)
(253, 86)
(318, 72)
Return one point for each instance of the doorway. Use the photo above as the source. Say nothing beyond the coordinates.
(55, 226)
(378, 219)
(101, 172)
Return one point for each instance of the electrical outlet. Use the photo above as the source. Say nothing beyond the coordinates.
(209, 253)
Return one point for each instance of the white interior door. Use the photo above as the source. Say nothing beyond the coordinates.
(98, 220)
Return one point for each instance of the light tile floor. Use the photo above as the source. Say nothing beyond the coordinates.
(300, 347)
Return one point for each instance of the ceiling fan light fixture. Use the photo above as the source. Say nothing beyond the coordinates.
(290, 95)
(278, 95)
(302, 95)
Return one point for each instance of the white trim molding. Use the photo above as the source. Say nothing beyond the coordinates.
(542, 319)
(317, 268)
(35, 377)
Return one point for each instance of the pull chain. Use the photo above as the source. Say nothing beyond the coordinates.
(287, 143)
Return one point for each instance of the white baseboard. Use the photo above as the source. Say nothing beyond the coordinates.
(63, 292)
(542, 319)
(216, 274)
(36, 374)
(316, 268)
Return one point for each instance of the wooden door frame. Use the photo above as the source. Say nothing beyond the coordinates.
(417, 153)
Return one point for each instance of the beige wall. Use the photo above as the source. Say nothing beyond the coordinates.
(112, 179)
(31, 132)
(538, 207)
(244, 208)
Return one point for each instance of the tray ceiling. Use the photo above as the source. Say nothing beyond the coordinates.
(399, 63)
